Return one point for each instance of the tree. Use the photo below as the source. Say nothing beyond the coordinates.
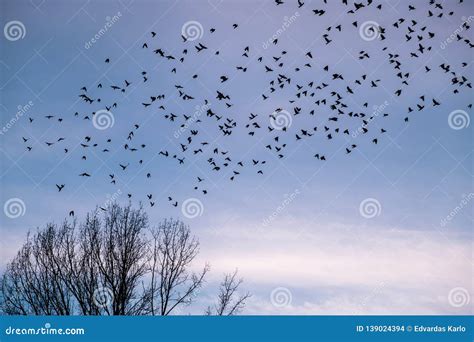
(172, 252)
(111, 265)
(229, 303)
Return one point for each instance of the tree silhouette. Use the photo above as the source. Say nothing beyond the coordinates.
(111, 265)
(229, 302)
(173, 251)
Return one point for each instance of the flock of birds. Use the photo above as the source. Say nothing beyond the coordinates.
(325, 95)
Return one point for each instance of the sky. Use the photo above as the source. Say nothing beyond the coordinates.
(386, 229)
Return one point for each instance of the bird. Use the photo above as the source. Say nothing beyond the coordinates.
(204, 112)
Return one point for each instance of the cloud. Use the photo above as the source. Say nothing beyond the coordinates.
(338, 269)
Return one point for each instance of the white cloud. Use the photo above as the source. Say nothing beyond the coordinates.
(335, 269)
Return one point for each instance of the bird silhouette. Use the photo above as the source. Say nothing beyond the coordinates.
(320, 105)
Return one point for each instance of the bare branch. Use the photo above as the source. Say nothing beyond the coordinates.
(228, 301)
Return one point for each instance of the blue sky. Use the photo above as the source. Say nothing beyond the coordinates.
(317, 244)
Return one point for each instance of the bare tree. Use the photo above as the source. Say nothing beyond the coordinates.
(32, 283)
(121, 258)
(173, 250)
(229, 302)
(115, 265)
